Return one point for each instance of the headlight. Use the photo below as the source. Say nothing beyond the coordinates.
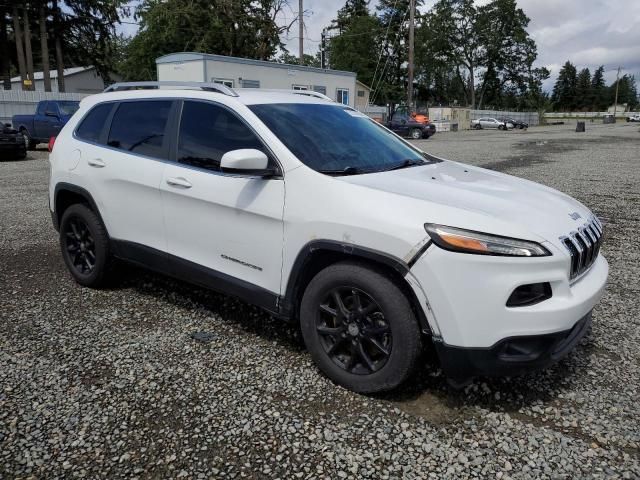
(468, 241)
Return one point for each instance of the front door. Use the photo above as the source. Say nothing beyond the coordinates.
(228, 227)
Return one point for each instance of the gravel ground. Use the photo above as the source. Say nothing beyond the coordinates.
(110, 383)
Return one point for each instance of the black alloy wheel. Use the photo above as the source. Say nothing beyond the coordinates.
(359, 327)
(84, 242)
(353, 331)
(80, 246)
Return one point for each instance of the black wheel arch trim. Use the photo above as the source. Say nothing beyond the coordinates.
(56, 215)
(288, 305)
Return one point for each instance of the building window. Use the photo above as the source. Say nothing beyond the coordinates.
(342, 96)
(250, 83)
(300, 87)
(361, 93)
(224, 81)
(320, 89)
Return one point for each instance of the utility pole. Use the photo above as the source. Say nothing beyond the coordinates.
(301, 30)
(615, 103)
(323, 48)
(412, 11)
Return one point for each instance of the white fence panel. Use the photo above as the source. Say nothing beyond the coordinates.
(18, 102)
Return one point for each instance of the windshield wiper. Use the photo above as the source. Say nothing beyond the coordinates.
(409, 162)
(344, 171)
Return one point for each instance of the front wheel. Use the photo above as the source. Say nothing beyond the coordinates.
(416, 134)
(478, 127)
(359, 328)
(28, 142)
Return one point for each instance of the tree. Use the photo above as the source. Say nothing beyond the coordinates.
(627, 91)
(242, 28)
(464, 46)
(357, 48)
(351, 9)
(307, 60)
(583, 90)
(599, 91)
(509, 51)
(44, 44)
(564, 90)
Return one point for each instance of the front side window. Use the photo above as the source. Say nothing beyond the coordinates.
(300, 87)
(208, 131)
(337, 140)
(92, 125)
(342, 96)
(139, 127)
(42, 108)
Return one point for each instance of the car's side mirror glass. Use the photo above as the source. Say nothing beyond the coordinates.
(246, 161)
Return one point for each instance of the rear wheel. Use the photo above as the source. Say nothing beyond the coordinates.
(85, 246)
(359, 328)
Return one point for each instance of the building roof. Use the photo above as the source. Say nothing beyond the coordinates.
(54, 73)
(180, 57)
(363, 85)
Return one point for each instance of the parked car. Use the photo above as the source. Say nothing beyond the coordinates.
(406, 125)
(377, 249)
(487, 122)
(12, 143)
(50, 117)
(516, 123)
(634, 118)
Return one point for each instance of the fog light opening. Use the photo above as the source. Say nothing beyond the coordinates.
(530, 294)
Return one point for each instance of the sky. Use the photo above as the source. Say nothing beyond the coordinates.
(590, 33)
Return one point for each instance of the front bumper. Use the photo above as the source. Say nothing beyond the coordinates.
(473, 330)
(510, 356)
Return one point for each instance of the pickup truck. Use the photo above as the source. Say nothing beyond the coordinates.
(407, 126)
(50, 117)
(633, 118)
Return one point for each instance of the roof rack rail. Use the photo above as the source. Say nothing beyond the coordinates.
(309, 93)
(212, 87)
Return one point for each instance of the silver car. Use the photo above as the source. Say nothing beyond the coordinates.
(488, 122)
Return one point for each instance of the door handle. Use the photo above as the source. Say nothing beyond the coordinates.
(179, 182)
(97, 163)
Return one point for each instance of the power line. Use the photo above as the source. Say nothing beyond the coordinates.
(383, 43)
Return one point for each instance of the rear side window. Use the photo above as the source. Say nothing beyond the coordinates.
(139, 127)
(209, 131)
(91, 127)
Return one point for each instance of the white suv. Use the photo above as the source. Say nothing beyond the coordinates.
(322, 216)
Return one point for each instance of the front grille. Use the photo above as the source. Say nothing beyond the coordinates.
(583, 246)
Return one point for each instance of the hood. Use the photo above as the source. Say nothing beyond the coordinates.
(543, 211)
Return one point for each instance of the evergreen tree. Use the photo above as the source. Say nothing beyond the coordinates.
(599, 93)
(564, 90)
(627, 91)
(583, 90)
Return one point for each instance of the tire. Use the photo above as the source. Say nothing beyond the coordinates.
(478, 127)
(416, 134)
(501, 127)
(21, 154)
(28, 141)
(367, 350)
(85, 246)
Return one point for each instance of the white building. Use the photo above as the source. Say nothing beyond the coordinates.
(76, 80)
(247, 73)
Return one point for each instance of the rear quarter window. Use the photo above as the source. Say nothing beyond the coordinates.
(92, 125)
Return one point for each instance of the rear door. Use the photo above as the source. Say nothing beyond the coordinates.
(125, 166)
(229, 224)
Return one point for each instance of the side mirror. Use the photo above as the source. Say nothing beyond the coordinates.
(50, 113)
(403, 121)
(246, 161)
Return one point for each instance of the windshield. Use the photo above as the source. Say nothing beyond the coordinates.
(337, 140)
(68, 108)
